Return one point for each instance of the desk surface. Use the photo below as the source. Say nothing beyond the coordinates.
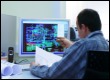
(23, 74)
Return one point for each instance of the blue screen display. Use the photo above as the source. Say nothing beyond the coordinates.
(42, 33)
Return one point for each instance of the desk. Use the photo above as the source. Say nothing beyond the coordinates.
(23, 74)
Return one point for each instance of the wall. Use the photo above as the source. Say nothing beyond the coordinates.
(102, 7)
(34, 9)
(8, 32)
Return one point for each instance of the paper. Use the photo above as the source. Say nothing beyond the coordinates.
(60, 30)
(5, 77)
(43, 57)
(8, 68)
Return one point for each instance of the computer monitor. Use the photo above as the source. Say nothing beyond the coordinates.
(42, 33)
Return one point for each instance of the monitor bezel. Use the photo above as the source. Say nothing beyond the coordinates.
(21, 34)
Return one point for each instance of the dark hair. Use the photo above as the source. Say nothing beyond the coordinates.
(90, 18)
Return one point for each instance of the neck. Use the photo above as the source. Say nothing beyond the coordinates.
(87, 32)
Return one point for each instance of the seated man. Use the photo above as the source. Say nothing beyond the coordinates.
(73, 63)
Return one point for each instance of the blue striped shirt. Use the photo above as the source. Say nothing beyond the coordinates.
(73, 63)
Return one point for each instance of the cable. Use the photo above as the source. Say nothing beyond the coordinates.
(22, 61)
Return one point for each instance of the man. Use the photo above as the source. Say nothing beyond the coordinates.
(73, 63)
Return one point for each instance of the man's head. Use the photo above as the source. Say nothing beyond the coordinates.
(88, 20)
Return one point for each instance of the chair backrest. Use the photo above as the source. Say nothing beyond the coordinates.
(97, 65)
(72, 34)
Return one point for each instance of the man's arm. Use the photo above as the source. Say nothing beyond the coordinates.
(64, 42)
(67, 67)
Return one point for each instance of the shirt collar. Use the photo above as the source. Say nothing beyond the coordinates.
(94, 33)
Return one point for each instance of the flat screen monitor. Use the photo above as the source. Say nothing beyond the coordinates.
(42, 33)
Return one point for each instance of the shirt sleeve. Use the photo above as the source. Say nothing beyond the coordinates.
(69, 63)
(43, 71)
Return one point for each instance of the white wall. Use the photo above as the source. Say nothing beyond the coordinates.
(34, 9)
(8, 32)
(74, 7)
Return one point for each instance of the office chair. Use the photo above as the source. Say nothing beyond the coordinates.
(97, 65)
(72, 34)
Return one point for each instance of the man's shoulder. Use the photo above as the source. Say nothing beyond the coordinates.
(88, 40)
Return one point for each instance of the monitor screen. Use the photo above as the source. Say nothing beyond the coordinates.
(42, 33)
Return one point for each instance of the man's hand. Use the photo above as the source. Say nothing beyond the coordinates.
(64, 42)
(34, 64)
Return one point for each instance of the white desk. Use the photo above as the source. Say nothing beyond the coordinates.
(23, 75)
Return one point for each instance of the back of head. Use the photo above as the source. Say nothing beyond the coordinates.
(90, 18)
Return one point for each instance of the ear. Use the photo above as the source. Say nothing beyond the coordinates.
(84, 28)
